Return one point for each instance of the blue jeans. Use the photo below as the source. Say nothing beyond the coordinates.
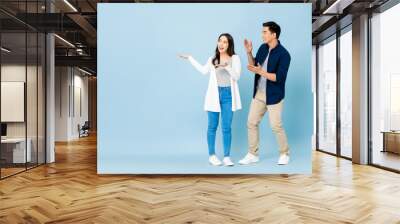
(225, 100)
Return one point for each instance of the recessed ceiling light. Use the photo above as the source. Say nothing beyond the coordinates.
(64, 40)
(70, 5)
(84, 71)
(338, 6)
(5, 50)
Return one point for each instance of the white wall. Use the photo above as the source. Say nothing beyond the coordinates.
(15, 72)
(79, 117)
(33, 127)
(61, 103)
(70, 83)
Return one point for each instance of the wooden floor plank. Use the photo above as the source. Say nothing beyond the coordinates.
(70, 191)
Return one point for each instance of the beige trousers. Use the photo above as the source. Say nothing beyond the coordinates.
(258, 108)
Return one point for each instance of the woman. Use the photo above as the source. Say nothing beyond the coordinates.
(222, 95)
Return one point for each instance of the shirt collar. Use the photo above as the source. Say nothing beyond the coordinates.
(278, 45)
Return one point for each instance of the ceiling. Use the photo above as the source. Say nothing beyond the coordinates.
(75, 21)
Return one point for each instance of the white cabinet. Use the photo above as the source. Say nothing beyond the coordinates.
(18, 149)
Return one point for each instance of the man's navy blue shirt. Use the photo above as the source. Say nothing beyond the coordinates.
(278, 63)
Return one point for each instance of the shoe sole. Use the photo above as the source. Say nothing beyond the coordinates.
(249, 162)
(283, 163)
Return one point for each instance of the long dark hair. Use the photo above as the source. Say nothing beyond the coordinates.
(230, 50)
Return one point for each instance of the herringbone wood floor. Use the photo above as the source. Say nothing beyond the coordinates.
(70, 191)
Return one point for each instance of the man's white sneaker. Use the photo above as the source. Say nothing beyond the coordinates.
(228, 162)
(249, 158)
(283, 159)
(214, 160)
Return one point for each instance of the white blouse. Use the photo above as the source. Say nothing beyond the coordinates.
(212, 97)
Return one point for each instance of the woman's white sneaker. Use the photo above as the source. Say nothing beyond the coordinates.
(283, 159)
(249, 158)
(214, 160)
(228, 162)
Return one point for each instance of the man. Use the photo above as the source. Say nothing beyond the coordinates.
(270, 66)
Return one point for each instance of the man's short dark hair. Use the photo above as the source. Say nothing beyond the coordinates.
(273, 27)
